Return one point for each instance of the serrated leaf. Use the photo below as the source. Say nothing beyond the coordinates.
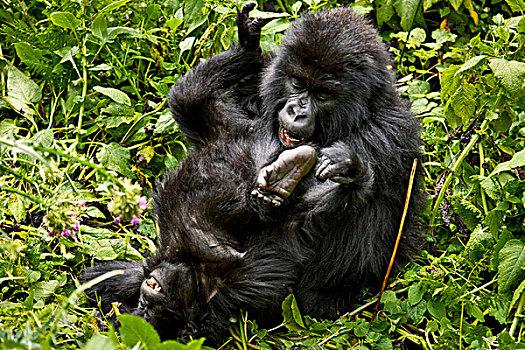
(464, 102)
(64, 20)
(511, 261)
(449, 81)
(135, 329)
(115, 115)
(114, 94)
(512, 74)
(20, 87)
(479, 242)
(115, 157)
(292, 317)
(32, 57)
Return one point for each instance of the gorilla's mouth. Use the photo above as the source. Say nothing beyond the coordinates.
(152, 284)
(290, 140)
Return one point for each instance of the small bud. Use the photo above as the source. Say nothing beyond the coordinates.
(135, 220)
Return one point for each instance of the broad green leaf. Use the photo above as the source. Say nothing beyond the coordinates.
(124, 31)
(512, 74)
(114, 94)
(43, 290)
(115, 157)
(517, 294)
(385, 11)
(99, 28)
(99, 342)
(165, 123)
(437, 308)
(384, 344)
(43, 138)
(464, 102)
(415, 294)
(407, 10)
(416, 38)
(135, 329)
(17, 207)
(480, 241)
(32, 57)
(114, 5)
(416, 312)
(517, 160)
(115, 115)
(511, 263)
(21, 87)
(456, 4)
(292, 317)
(103, 250)
(517, 6)
(449, 82)
(362, 329)
(175, 345)
(474, 62)
(64, 20)
(474, 311)
(193, 14)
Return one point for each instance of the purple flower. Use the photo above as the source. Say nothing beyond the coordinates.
(76, 227)
(135, 220)
(82, 204)
(65, 233)
(51, 233)
(118, 219)
(143, 203)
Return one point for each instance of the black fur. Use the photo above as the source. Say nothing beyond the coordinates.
(221, 249)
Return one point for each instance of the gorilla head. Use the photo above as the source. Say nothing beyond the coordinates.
(320, 84)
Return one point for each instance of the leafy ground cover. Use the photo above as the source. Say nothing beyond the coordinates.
(84, 133)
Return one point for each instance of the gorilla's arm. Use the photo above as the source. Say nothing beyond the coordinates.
(124, 288)
(218, 97)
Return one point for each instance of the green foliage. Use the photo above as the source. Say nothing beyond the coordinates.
(84, 133)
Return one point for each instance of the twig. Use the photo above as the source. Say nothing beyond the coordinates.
(407, 201)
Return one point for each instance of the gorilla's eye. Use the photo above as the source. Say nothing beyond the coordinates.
(296, 84)
(323, 96)
(152, 284)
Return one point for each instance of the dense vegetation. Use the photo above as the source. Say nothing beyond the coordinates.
(84, 133)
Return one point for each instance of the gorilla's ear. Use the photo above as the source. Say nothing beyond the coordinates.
(212, 277)
(124, 288)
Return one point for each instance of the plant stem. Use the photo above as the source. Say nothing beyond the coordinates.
(482, 173)
(452, 173)
(517, 315)
(84, 91)
(23, 194)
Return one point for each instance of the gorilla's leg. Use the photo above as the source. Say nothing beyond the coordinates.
(278, 180)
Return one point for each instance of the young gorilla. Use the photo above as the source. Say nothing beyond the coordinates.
(325, 141)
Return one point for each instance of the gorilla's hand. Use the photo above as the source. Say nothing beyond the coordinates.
(277, 181)
(249, 29)
(338, 163)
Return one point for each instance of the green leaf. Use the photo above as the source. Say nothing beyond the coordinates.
(511, 262)
(99, 28)
(114, 94)
(165, 123)
(99, 341)
(43, 290)
(512, 74)
(103, 250)
(32, 57)
(474, 62)
(436, 308)
(362, 329)
(474, 311)
(115, 157)
(516, 5)
(136, 330)
(480, 241)
(175, 345)
(385, 11)
(416, 38)
(416, 312)
(64, 20)
(17, 207)
(291, 314)
(464, 102)
(20, 87)
(449, 82)
(456, 4)
(407, 10)
(415, 294)
(517, 160)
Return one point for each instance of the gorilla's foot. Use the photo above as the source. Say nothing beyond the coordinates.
(277, 181)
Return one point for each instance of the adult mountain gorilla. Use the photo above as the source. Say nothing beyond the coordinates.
(296, 182)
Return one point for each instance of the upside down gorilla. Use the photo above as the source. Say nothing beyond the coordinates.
(295, 184)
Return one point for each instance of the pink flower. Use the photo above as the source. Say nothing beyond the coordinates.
(51, 233)
(135, 220)
(117, 220)
(76, 227)
(82, 204)
(143, 203)
(65, 233)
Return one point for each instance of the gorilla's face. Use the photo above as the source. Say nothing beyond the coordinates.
(297, 119)
(165, 295)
